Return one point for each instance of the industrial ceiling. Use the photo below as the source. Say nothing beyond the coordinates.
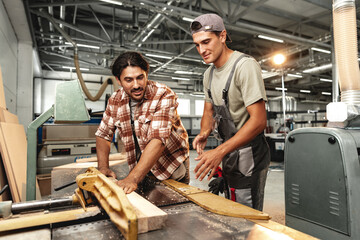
(159, 29)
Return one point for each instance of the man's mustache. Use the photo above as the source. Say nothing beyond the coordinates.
(137, 89)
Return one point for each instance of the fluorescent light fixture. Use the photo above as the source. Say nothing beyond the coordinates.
(305, 91)
(321, 50)
(271, 38)
(73, 68)
(280, 89)
(179, 78)
(84, 45)
(157, 56)
(113, 2)
(325, 93)
(188, 72)
(325, 80)
(294, 75)
(319, 68)
(187, 19)
(264, 71)
(148, 35)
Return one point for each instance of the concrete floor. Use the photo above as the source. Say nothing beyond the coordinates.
(274, 203)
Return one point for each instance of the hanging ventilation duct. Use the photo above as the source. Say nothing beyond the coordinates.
(346, 50)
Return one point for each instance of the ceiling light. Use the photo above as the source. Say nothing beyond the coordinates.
(319, 68)
(294, 75)
(113, 2)
(264, 71)
(187, 72)
(305, 91)
(72, 68)
(325, 93)
(271, 38)
(280, 89)
(325, 80)
(321, 50)
(157, 56)
(279, 59)
(187, 19)
(179, 78)
(84, 45)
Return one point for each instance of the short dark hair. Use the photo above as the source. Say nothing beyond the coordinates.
(126, 59)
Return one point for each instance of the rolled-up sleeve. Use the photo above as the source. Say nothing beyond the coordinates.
(163, 117)
(106, 128)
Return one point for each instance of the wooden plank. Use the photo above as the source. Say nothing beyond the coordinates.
(150, 217)
(2, 93)
(32, 220)
(112, 157)
(86, 165)
(215, 203)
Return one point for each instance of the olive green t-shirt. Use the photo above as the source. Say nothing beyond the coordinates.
(246, 88)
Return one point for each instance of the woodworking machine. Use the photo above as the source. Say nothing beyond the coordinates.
(192, 213)
(322, 165)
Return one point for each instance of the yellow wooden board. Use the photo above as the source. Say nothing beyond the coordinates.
(215, 203)
(3, 181)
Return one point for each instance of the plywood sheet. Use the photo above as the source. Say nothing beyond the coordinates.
(6, 116)
(2, 94)
(14, 152)
(3, 181)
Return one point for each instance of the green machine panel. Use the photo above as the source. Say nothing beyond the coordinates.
(315, 188)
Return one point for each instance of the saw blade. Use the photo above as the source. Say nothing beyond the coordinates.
(159, 194)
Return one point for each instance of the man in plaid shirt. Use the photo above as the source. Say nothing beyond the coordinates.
(145, 113)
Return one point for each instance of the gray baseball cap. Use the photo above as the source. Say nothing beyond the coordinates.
(209, 22)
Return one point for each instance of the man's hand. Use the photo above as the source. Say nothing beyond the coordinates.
(107, 172)
(208, 161)
(199, 143)
(127, 184)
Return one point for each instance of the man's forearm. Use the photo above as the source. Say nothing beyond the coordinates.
(102, 152)
(150, 155)
(207, 120)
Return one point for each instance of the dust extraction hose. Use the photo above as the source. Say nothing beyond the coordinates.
(346, 51)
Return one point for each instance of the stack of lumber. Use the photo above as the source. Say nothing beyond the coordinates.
(13, 149)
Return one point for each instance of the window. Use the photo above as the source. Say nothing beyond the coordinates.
(199, 107)
(184, 106)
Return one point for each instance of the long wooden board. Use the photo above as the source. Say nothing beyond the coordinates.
(86, 165)
(112, 157)
(149, 216)
(6, 116)
(39, 219)
(215, 203)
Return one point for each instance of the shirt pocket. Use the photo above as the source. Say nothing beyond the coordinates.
(144, 125)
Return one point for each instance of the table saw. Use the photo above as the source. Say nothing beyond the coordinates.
(185, 219)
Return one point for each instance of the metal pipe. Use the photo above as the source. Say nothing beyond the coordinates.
(44, 204)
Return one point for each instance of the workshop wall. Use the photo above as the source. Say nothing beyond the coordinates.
(8, 59)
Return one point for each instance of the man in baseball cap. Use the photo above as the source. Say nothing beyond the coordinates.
(235, 111)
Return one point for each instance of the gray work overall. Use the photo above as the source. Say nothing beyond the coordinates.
(245, 169)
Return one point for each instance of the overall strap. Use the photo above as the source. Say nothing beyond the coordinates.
(227, 86)
(210, 80)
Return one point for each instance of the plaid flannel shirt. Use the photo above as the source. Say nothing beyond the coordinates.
(155, 117)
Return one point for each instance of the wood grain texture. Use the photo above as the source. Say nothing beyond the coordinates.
(215, 203)
(149, 216)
